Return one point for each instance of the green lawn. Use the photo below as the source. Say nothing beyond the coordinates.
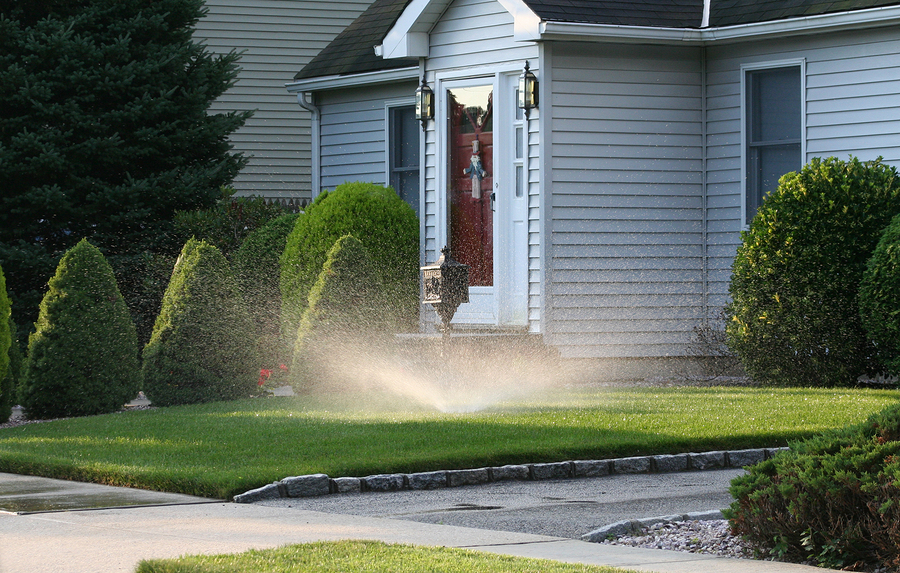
(221, 449)
(358, 556)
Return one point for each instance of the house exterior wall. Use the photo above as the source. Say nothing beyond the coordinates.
(851, 107)
(353, 132)
(277, 38)
(475, 38)
(626, 200)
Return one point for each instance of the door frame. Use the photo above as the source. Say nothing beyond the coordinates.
(497, 305)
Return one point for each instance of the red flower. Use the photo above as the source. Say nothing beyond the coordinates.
(263, 376)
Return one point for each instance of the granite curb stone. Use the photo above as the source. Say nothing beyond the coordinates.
(636, 526)
(315, 484)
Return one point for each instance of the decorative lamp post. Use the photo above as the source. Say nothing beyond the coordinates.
(424, 103)
(446, 283)
(528, 90)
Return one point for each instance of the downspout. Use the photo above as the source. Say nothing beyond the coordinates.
(315, 174)
(704, 182)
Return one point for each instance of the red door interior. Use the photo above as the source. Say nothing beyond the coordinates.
(471, 181)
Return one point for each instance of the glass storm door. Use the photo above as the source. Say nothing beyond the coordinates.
(471, 149)
(484, 208)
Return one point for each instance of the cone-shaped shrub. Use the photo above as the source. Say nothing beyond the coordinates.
(83, 357)
(344, 321)
(879, 297)
(9, 385)
(256, 269)
(5, 343)
(199, 349)
(383, 222)
(794, 312)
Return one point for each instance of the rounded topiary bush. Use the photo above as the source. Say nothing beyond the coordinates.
(831, 500)
(383, 222)
(257, 270)
(83, 356)
(198, 351)
(10, 387)
(344, 322)
(879, 297)
(794, 317)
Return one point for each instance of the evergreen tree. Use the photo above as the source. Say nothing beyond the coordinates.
(104, 134)
(83, 357)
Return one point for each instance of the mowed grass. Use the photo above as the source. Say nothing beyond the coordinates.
(359, 556)
(221, 449)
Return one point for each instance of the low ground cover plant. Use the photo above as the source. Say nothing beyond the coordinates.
(199, 350)
(831, 499)
(368, 556)
(83, 357)
(794, 317)
(223, 448)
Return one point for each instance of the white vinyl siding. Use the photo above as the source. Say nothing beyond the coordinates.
(852, 107)
(353, 133)
(626, 226)
(277, 38)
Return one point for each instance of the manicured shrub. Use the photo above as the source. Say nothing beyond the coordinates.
(10, 386)
(6, 338)
(385, 224)
(257, 271)
(83, 356)
(198, 351)
(794, 317)
(832, 500)
(344, 321)
(879, 297)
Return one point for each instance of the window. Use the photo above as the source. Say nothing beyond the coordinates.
(403, 163)
(773, 130)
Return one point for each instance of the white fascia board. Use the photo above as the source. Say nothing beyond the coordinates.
(526, 24)
(353, 80)
(870, 18)
(402, 41)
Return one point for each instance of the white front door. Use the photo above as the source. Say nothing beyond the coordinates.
(483, 193)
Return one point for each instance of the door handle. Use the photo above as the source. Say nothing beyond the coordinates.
(493, 199)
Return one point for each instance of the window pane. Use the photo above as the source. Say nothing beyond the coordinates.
(408, 188)
(520, 181)
(519, 143)
(768, 165)
(776, 105)
(407, 152)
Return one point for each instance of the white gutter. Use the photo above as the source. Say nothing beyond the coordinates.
(353, 80)
(870, 18)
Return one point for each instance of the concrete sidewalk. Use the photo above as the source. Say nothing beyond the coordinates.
(115, 540)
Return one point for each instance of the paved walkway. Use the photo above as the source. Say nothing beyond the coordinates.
(115, 540)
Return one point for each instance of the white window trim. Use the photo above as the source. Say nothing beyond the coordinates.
(768, 65)
(388, 106)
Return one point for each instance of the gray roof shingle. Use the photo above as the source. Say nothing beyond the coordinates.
(352, 51)
(734, 12)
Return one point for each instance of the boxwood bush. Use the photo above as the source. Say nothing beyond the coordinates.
(83, 357)
(344, 321)
(833, 500)
(257, 270)
(794, 317)
(198, 351)
(879, 297)
(383, 222)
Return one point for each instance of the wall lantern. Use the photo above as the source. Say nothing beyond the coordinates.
(424, 103)
(528, 90)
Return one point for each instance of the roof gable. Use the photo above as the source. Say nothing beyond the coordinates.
(353, 50)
